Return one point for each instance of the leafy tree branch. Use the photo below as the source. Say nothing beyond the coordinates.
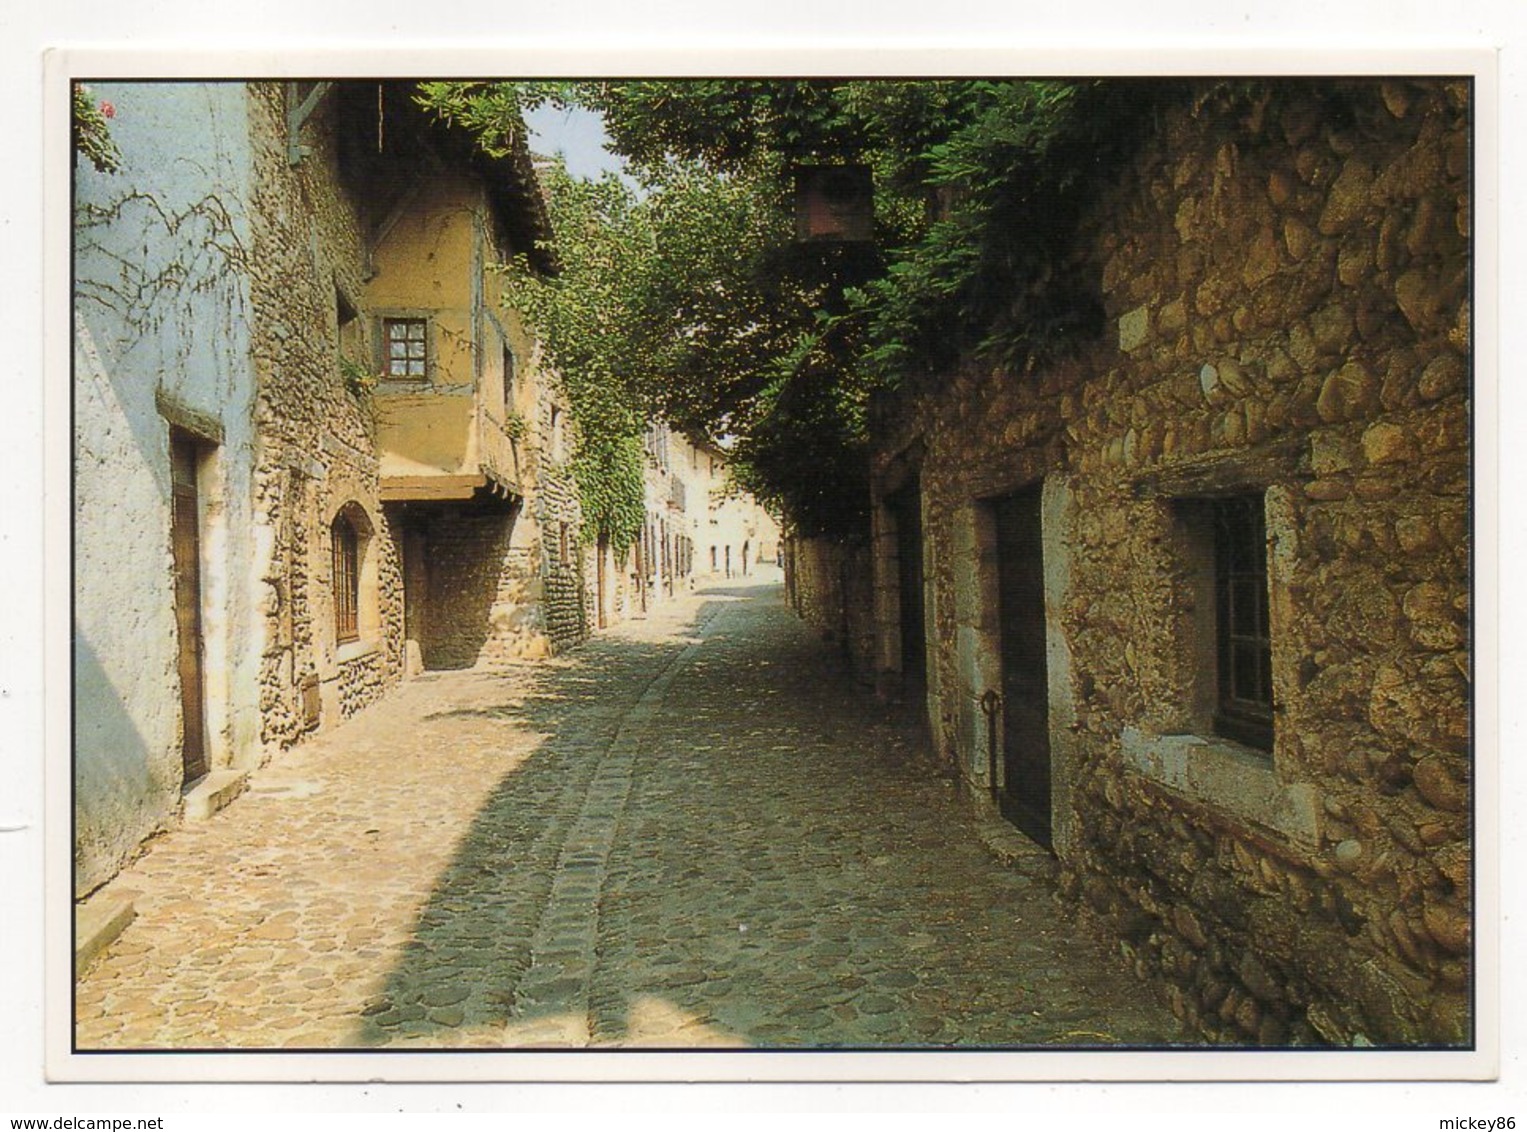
(698, 304)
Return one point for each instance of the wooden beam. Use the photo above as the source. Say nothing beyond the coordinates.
(1223, 473)
(399, 489)
(297, 114)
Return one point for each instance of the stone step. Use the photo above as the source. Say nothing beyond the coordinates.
(212, 792)
(98, 922)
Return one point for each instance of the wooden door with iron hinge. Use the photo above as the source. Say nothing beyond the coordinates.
(185, 540)
(1025, 795)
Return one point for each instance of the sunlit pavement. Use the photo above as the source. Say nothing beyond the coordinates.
(692, 831)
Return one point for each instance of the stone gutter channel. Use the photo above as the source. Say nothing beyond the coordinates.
(551, 1002)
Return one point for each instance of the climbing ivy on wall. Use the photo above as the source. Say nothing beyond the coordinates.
(574, 312)
(575, 315)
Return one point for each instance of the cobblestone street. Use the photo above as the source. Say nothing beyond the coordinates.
(691, 831)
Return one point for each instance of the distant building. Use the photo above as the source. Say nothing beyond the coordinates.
(738, 534)
(698, 528)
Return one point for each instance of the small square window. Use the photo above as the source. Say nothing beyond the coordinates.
(407, 348)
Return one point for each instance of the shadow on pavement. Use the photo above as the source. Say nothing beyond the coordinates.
(471, 943)
(787, 872)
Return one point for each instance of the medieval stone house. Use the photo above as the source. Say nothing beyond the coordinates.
(660, 564)
(737, 534)
(313, 449)
(700, 528)
(1191, 607)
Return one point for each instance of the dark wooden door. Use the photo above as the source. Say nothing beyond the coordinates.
(415, 585)
(906, 509)
(185, 541)
(1025, 795)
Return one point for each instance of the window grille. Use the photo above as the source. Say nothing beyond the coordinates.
(1244, 640)
(346, 550)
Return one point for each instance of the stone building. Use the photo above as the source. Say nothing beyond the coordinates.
(698, 528)
(164, 465)
(661, 562)
(474, 436)
(1191, 607)
(298, 393)
(737, 534)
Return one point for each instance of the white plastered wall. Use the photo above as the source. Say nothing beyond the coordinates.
(160, 339)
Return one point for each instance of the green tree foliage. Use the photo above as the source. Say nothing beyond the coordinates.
(579, 314)
(716, 318)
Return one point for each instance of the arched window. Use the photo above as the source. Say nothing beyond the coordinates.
(344, 542)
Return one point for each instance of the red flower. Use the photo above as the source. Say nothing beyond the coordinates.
(108, 110)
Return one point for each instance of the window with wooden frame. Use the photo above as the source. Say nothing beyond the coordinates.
(1244, 700)
(344, 543)
(405, 346)
(509, 375)
(1223, 625)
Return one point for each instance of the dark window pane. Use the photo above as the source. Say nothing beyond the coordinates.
(1244, 675)
(1244, 645)
(1243, 606)
(346, 547)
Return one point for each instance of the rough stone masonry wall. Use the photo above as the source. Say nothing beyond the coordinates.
(1286, 284)
(316, 449)
(828, 583)
(484, 602)
(567, 595)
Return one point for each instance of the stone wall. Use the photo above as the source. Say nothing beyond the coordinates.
(482, 599)
(1286, 282)
(568, 595)
(829, 584)
(316, 453)
(361, 680)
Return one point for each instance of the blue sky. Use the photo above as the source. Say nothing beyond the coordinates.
(576, 134)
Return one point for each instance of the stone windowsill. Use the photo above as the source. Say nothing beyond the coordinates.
(354, 650)
(1228, 777)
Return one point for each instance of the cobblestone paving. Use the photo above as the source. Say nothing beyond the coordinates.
(689, 832)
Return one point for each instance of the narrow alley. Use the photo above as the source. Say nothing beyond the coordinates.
(692, 831)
